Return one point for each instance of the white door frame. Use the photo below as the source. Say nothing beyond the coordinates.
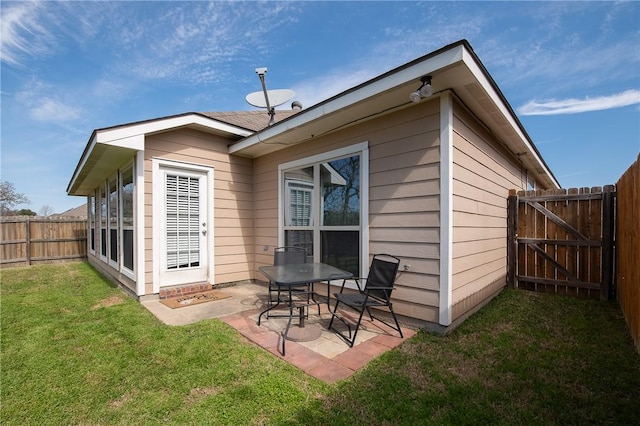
(158, 164)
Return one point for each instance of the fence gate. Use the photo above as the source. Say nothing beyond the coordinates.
(562, 241)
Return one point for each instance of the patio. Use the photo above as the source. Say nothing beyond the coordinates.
(327, 358)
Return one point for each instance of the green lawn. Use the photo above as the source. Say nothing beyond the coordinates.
(76, 350)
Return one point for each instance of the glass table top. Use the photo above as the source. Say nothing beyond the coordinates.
(303, 273)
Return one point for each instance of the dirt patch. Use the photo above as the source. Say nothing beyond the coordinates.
(198, 393)
(118, 403)
(109, 301)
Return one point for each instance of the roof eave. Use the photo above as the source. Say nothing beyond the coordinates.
(332, 113)
(535, 162)
(125, 140)
(407, 73)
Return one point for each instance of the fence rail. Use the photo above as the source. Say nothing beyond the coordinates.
(28, 240)
(628, 253)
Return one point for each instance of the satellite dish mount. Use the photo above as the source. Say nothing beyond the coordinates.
(270, 110)
(268, 99)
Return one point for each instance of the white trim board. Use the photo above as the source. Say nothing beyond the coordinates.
(446, 208)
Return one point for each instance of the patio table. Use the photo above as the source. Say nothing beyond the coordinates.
(287, 278)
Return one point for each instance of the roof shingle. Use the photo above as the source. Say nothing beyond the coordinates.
(250, 120)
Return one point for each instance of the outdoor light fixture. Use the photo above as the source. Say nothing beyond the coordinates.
(424, 91)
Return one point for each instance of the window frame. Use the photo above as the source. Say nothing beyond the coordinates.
(121, 219)
(104, 209)
(91, 219)
(361, 149)
(113, 223)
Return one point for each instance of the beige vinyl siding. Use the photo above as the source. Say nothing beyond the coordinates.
(403, 198)
(233, 203)
(483, 174)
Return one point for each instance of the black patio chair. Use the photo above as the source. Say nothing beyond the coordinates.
(288, 255)
(376, 293)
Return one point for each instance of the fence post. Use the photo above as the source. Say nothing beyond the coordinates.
(608, 290)
(512, 237)
(28, 240)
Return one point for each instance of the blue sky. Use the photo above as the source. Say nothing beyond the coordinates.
(571, 70)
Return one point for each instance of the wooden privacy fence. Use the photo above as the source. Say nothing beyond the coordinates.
(628, 248)
(562, 241)
(29, 240)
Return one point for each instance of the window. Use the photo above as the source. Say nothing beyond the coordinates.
(92, 223)
(113, 208)
(340, 221)
(323, 208)
(531, 185)
(113, 219)
(298, 205)
(126, 194)
(103, 221)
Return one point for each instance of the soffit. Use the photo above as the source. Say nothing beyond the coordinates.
(99, 166)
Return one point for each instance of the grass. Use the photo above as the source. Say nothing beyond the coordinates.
(76, 350)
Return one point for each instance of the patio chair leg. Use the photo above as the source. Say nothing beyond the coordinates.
(312, 296)
(351, 339)
(355, 332)
(271, 300)
(395, 319)
(332, 315)
(397, 324)
(369, 312)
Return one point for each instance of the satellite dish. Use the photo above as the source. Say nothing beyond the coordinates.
(268, 99)
(276, 97)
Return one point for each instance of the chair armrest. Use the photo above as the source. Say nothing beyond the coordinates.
(356, 279)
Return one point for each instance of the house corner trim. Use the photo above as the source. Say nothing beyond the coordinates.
(139, 224)
(446, 208)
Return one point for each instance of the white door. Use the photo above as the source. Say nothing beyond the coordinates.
(184, 239)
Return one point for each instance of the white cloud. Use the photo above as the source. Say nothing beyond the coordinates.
(53, 110)
(576, 106)
(194, 42)
(179, 41)
(22, 34)
(107, 89)
(312, 91)
(44, 103)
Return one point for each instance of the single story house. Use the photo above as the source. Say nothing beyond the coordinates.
(79, 212)
(203, 198)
